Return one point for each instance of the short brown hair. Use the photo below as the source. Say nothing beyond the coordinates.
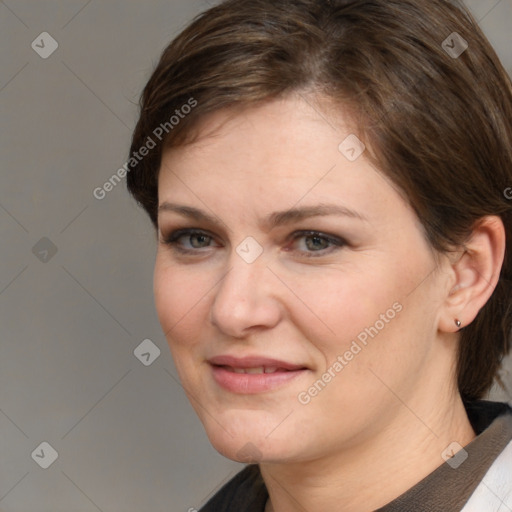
(439, 124)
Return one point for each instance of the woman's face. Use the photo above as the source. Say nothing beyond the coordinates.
(296, 290)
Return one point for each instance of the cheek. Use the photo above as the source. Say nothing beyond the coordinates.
(371, 319)
(340, 305)
(181, 297)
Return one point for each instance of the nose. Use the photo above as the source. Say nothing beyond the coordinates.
(246, 299)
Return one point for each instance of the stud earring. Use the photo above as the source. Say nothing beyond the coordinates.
(458, 323)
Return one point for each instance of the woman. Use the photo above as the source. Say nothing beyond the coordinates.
(327, 181)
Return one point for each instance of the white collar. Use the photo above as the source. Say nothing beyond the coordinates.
(494, 492)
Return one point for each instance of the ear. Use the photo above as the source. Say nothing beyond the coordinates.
(476, 270)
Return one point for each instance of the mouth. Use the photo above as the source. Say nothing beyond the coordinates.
(256, 370)
(251, 375)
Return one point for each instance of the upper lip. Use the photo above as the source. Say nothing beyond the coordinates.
(253, 362)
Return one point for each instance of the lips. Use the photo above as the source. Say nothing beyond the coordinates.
(250, 362)
(253, 374)
(255, 370)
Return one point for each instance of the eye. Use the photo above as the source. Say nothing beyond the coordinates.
(315, 243)
(308, 243)
(189, 240)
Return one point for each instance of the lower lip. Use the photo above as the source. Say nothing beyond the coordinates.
(251, 383)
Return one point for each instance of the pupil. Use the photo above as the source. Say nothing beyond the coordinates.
(315, 242)
(198, 240)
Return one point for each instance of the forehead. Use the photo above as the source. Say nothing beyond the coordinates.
(282, 135)
(279, 153)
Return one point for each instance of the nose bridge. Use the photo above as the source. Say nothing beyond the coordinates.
(244, 296)
(244, 280)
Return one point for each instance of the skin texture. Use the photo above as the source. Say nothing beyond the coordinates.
(381, 424)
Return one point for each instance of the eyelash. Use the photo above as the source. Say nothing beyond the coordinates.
(172, 240)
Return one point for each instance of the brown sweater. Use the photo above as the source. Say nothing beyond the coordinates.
(445, 490)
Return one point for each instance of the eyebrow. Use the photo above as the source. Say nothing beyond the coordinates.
(272, 220)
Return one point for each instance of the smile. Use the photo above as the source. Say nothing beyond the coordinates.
(253, 379)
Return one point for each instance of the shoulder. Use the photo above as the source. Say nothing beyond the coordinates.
(245, 491)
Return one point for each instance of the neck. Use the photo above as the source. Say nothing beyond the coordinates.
(370, 474)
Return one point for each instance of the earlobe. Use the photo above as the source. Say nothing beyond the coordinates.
(476, 274)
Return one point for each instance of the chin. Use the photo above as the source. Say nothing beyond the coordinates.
(254, 453)
(247, 442)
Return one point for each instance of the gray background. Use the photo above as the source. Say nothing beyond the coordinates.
(126, 437)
